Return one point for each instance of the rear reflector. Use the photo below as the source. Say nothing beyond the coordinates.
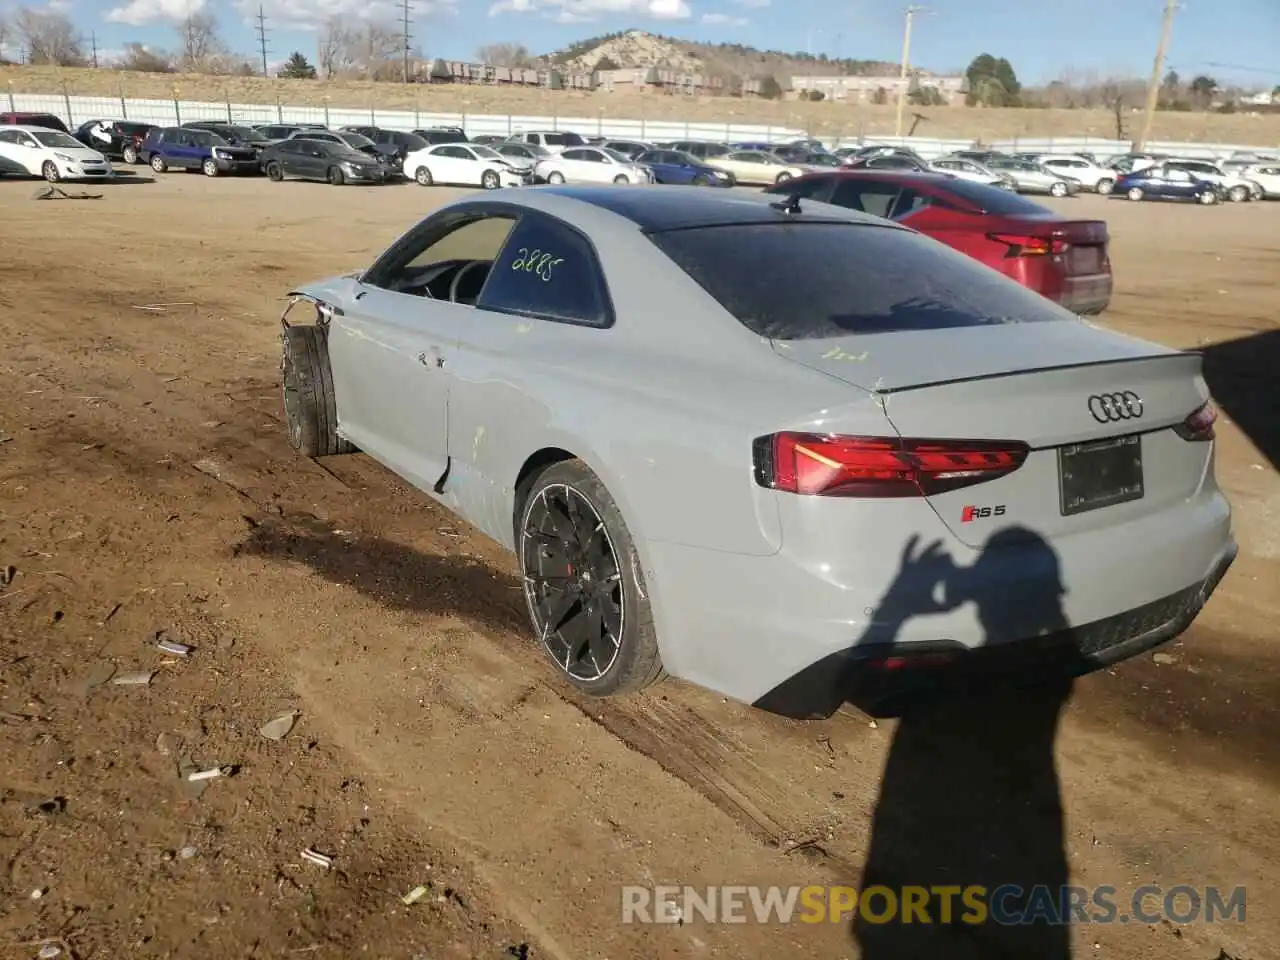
(1200, 425)
(1024, 245)
(830, 466)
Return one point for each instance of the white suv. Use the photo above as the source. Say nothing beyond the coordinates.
(1101, 180)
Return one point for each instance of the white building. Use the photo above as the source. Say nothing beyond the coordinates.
(863, 89)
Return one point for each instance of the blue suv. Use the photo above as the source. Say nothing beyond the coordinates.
(202, 150)
(673, 166)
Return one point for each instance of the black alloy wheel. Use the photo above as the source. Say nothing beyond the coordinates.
(573, 582)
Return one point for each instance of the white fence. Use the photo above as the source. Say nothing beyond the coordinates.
(76, 110)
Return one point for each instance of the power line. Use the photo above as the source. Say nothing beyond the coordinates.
(262, 37)
(405, 9)
(1237, 66)
(1157, 69)
(910, 12)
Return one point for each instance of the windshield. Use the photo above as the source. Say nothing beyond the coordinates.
(802, 281)
(616, 156)
(356, 141)
(564, 140)
(481, 150)
(247, 134)
(55, 138)
(207, 138)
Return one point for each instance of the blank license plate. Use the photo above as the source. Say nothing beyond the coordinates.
(1099, 474)
(1085, 259)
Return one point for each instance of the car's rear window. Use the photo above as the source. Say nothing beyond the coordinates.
(993, 199)
(806, 281)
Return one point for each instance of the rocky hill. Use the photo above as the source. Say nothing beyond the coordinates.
(636, 48)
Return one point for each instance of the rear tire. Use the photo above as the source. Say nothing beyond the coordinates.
(1135, 193)
(130, 155)
(618, 588)
(423, 176)
(1239, 194)
(310, 407)
(275, 172)
(1105, 187)
(158, 164)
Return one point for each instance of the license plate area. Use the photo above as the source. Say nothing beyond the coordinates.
(1084, 259)
(1099, 474)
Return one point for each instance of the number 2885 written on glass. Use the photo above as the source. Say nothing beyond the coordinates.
(536, 262)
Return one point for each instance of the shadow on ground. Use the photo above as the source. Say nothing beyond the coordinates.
(394, 574)
(1244, 378)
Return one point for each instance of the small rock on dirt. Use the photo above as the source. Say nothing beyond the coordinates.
(1163, 659)
(279, 728)
(98, 674)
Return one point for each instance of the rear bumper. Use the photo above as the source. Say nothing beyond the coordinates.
(785, 631)
(1088, 295)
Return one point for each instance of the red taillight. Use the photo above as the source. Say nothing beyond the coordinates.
(1200, 425)
(828, 466)
(1025, 245)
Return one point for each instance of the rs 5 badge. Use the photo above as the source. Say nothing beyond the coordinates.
(971, 513)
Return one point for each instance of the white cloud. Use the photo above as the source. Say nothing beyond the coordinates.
(312, 14)
(580, 11)
(723, 19)
(752, 4)
(138, 12)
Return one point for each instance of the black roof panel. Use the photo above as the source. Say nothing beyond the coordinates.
(656, 208)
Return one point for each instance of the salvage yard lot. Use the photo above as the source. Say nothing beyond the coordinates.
(146, 485)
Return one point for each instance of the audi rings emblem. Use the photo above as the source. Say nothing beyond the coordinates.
(1113, 407)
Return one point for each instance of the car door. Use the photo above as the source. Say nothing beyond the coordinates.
(392, 350)
(461, 166)
(313, 159)
(29, 154)
(573, 164)
(13, 157)
(1178, 182)
(293, 158)
(545, 298)
(594, 166)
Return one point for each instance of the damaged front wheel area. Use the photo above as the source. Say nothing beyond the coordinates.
(310, 405)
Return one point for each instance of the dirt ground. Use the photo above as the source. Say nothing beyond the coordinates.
(147, 492)
(826, 119)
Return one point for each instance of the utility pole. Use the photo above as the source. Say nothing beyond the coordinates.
(93, 46)
(262, 37)
(911, 12)
(405, 10)
(1153, 88)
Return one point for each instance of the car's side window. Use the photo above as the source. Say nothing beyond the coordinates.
(550, 271)
(8, 136)
(574, 154)
(909, 202)
(818, 189)
(874, 198)
(411, 265)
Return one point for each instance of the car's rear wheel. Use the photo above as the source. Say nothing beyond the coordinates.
(1105, 187)
(275, 171)
(310, 407)
(583, 583)
(783, 177)
(555, 176)
(209, 167)
(1238, 194)
(130, 154)
(490, 180)
(158, 164)
(50, 171)
(335, 177)
(423, 176)
(1058, 189)
(1135, 193)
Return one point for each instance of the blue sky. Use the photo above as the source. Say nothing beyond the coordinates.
(1107, 37)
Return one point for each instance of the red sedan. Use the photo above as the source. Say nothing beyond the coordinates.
(1061, 258)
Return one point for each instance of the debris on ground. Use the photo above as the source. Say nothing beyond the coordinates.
(318, 858)
(280, 727)
(98, 674)
(414, 895)
(1163, 659)
(57, 193)
(136, 678)
(173, 646)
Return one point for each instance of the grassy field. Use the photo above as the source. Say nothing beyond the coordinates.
(826, 119)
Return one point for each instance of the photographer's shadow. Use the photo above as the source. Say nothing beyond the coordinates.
(970, 794)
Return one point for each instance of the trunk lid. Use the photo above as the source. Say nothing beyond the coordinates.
(1083, 242)
(1037, 383)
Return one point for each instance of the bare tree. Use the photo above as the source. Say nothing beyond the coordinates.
(513, 55)
(335, 47)
(378, 51)
(139, 58)
(4, 37)
(49, 38)
(201, 47)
